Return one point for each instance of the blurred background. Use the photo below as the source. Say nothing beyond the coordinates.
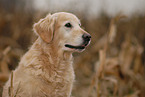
(114, 63)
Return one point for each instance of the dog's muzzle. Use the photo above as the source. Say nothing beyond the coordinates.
(86, 41)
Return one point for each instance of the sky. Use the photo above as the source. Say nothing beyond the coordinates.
(93, 8)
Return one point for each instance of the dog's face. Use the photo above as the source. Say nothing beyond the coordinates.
(64, 30)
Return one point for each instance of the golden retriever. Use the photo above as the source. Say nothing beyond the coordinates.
(46, 69)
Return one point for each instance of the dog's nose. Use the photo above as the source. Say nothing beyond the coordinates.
(86, 37)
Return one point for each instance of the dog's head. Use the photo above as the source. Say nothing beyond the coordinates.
(63, 29)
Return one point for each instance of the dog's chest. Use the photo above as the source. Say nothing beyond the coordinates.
(59, 82)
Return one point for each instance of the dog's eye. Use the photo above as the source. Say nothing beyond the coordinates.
(68, 25)
(79, 24)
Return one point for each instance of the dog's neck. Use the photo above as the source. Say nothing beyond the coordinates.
(52, 49)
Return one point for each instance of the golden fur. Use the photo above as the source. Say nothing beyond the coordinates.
(46, 69)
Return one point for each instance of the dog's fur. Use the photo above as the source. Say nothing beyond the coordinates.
(46, 69)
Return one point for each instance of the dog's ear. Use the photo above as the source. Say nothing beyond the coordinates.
(45, 28)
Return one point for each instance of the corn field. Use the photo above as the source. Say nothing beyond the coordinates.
(112, 66)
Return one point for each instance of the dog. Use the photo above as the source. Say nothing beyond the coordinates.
(46, 68)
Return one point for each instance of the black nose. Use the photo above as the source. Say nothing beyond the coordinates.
(86, 37)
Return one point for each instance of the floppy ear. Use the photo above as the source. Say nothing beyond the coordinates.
(45, 28)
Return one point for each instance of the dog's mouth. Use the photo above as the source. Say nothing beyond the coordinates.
(81, 47)
(74, 47)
